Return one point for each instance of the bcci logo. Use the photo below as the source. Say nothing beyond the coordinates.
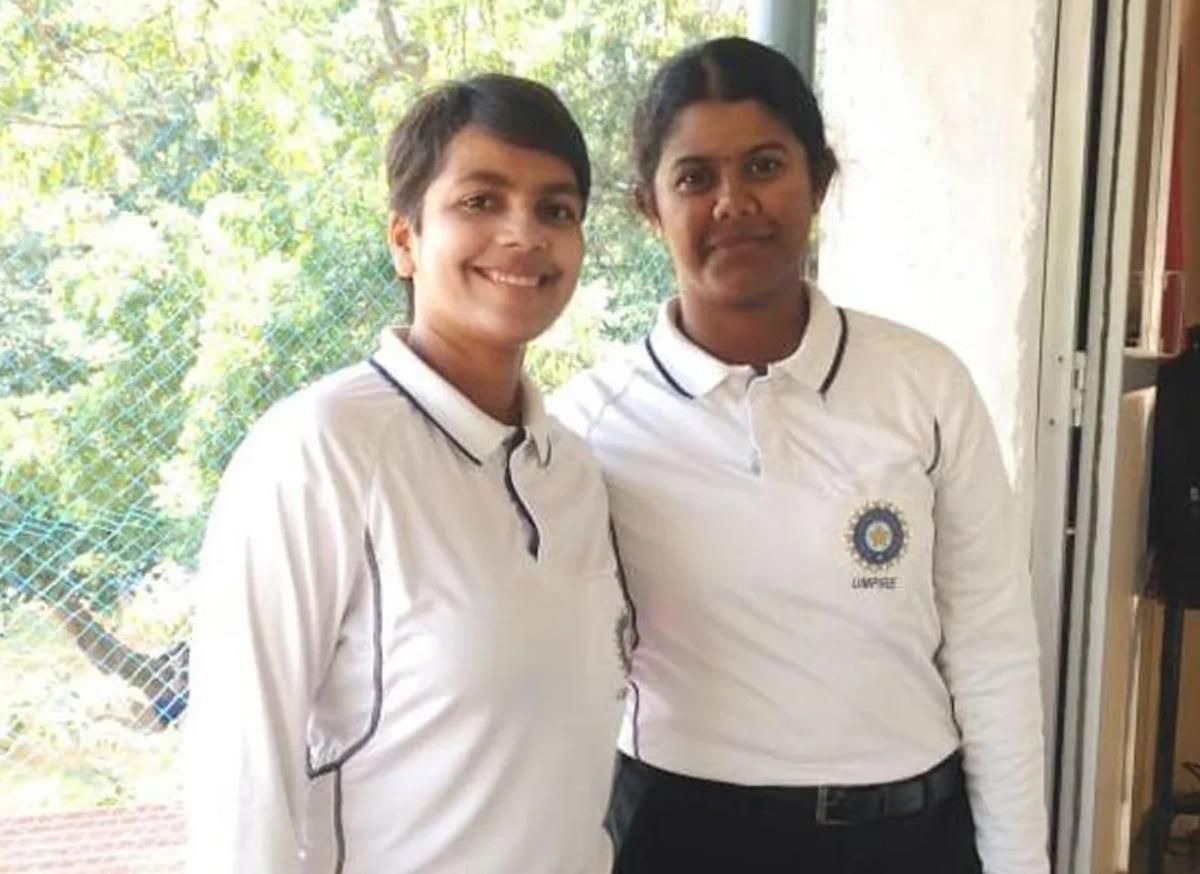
(877, 536)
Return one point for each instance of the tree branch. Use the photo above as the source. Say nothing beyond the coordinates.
(162, 679)
(34, 121)
(407, 57)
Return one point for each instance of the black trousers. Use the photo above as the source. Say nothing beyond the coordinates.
(664, 823)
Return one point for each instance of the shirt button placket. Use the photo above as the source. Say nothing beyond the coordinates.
(757, 400)
(533, 532)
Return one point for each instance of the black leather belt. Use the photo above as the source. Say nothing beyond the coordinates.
(825, 805)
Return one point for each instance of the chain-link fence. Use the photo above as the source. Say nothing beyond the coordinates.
(191, 226)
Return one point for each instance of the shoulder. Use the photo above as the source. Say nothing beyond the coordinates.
(582, 403)
(333, 426)
(888, 355)
(880, 340)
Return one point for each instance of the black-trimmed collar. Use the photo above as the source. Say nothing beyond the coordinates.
(693, 372)
(472, 431)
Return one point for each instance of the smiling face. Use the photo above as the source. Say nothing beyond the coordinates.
(496, 254)
(733, 201)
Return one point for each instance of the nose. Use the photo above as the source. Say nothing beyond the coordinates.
(522, 229)
(733, 198)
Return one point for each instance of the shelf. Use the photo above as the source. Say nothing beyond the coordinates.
(1140, 369)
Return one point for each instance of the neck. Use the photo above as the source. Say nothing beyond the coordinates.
(489, 377)
(756, 335)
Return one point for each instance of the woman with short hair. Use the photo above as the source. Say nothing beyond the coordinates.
(408, 643)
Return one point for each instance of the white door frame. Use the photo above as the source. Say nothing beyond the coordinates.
(1060, 373)
(1104, 268)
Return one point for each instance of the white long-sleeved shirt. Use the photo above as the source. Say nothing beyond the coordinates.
(407, 653)
(822, 567)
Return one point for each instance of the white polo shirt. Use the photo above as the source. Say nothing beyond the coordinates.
(822, 568)
(408, 643)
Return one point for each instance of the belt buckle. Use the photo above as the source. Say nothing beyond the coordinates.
(827, 797)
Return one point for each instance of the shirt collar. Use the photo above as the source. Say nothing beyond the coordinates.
(688, 369)
(693, 372)
(817, 359)
(472, 431)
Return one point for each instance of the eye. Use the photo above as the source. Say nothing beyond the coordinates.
(477, 202)
(693, 179)
(763, 165)
(559, 212)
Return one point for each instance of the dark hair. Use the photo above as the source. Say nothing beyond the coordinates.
(728, 69)
(516, 110)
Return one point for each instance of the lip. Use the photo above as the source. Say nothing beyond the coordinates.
(525, 279)
(737, 241)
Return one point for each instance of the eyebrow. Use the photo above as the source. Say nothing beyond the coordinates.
(759, 147)
(489, 177)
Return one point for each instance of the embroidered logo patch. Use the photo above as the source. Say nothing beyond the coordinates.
(877, 536)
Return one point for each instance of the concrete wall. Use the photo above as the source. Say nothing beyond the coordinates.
(941, 116)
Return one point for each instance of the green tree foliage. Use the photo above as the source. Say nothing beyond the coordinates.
(192, 225)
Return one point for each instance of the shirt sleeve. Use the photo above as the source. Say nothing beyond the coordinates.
(282, 552)
(989, 654)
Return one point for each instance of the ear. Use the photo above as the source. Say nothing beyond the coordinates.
(819, 191)
(643, 201)
(827, 168)
(818, 197)
(402, 237)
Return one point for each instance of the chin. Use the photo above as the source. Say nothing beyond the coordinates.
(741, 295)
(510, 331)
(751, 287)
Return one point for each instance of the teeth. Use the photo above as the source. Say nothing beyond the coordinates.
(513, 279)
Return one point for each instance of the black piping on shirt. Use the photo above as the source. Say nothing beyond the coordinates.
(825, 384)
(837, 356)
(339, 829)
(666, 375)
(937, 448)
(635, 637)
(376, 671)
(428, 415)
(535, 536)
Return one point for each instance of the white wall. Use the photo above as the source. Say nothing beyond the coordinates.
(941, 114)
